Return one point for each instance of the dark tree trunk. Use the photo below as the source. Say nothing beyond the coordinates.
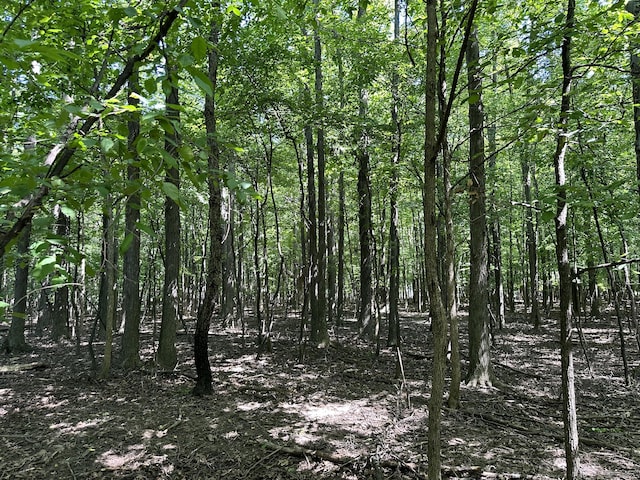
(167, 354)
(479, 340)
(206, 310)
(319, 333)
(130, 355)
(15, 341)
(569, 416)
(60, 325)
(532, 243)
(393, 339)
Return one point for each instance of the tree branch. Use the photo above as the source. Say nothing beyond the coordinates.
(62, 153)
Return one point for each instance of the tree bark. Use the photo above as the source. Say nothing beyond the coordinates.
(130, 354)
(204, 381)
(366, 322)
(319, 333)
(438, 314)
(60, 324)
(167, 356)
(109, 279)
(479, 340)
(532, 242)
(15, 341)
(569, 416)
(393, 339)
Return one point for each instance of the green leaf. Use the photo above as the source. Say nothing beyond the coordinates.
(171, 191)
(68, 211)
(201, 80)
(199, 48)
(150, 85)
(186, 153)
(130, 12)
(106, 144)
(126, 243)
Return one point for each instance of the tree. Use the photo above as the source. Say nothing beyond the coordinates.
(130, 354)
(167, 354)
(479, 341)
(437, 311)
(15, 341)
(207, 307)
(562, 255)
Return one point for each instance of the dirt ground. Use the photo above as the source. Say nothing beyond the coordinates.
(340, 414)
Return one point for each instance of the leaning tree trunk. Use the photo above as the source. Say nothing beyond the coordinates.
(167, 356)
(479, 340)
(206, 309)
(569, 416)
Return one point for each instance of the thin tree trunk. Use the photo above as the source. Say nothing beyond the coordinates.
(130, 355)
(438, 314)
(531, 241)
(393, 339)
(206, 309)
(15, 341)
(319, 333)
(562, 254)
(109, 256)
(167, 354)
(60, 325)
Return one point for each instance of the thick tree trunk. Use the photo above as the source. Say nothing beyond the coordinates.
(130, 354)
(562, 255)
(479, 339)
(206, 309)
(167, 353)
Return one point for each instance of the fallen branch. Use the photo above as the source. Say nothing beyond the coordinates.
(23, 367)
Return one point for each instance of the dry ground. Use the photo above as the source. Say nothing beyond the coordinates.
(340, 414)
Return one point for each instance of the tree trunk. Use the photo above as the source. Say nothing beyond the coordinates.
(341, 224)
(319, 333)
(130, 355)
(207, 307)
(60, 325)
(562, 255)
(393, 339)
(449, 273)
(479, 339)
(366, 322)
(438, 314)
(109, 267)
(15, 341)
(531, 241)
(167, 354)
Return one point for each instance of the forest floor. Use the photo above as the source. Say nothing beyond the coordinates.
(339, 414)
